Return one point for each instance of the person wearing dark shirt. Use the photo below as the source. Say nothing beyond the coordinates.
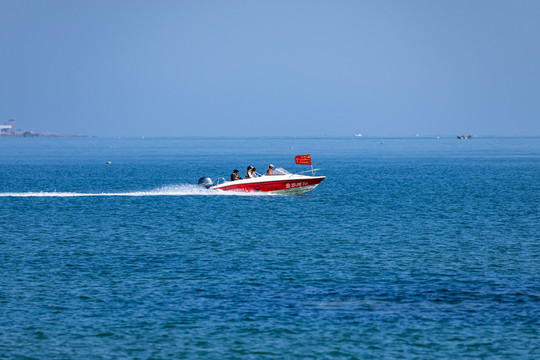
(234, 175)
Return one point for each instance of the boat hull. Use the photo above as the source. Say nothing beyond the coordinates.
(292, 184)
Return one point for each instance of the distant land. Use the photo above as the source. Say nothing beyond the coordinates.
(8, 130)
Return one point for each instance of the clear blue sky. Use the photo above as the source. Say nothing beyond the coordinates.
(271, 68)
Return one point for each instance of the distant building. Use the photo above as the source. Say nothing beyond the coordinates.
(9, 128)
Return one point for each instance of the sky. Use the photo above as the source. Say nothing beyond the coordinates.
(271, 68)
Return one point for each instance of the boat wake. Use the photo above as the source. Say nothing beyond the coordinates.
(170, 190)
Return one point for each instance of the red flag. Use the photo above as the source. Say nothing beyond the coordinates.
(303, 159)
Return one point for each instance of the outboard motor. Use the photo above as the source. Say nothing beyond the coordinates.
(206, 182)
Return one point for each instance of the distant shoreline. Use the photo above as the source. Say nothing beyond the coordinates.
(33, 134)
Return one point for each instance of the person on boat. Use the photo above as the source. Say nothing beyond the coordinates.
(254, 172)
(234, 175)
(270, 170)
(249, 174)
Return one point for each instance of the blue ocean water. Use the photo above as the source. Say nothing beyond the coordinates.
(411, 248)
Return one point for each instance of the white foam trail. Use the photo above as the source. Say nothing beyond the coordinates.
(171, 190)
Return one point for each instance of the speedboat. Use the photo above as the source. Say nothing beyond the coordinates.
(281, 182)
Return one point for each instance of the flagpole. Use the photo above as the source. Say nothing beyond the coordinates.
(303, 160)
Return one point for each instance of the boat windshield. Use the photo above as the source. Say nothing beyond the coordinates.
(280, 171)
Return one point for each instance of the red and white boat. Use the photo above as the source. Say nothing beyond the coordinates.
(281, 182)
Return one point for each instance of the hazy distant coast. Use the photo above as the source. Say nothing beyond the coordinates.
(9, 130)
(38, 134)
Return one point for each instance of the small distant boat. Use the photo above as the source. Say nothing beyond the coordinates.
(464, 137)
(358, 134)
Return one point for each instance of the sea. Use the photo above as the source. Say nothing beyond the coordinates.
(411, 248)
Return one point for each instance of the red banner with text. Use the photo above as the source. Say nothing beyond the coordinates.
(303, 159)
